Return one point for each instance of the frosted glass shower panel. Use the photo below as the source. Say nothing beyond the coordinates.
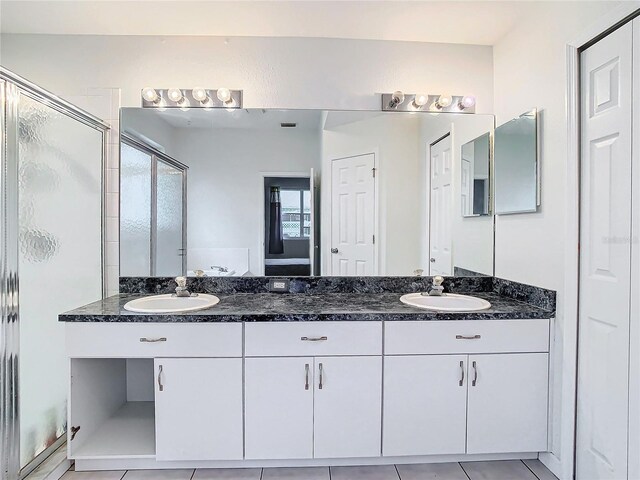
(135, 212)
(60, 257)
(169, 206)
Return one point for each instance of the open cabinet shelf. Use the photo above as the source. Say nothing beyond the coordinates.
(130, 432)
(113, 410)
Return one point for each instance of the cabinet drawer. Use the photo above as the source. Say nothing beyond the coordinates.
(466, 336)
(154, 340)
(271, 339)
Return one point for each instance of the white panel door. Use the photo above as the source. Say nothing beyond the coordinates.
(278, 408)
(425, 405)
(348, 407)
(353, 216)
(605, 232)
(507, 403)
(441, 200)
(198, 408)
(634, 330)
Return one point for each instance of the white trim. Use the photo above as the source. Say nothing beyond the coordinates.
(151, 463)
(262, 176)
(563, 465)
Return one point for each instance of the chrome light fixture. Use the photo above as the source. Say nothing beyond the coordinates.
(422, 102)
(197, 97)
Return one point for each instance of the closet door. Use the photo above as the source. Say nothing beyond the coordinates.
(605, 276)
(634, 363)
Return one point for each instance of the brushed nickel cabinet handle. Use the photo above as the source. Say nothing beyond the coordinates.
(461, 382)
(475, 375)
(306, 376)
(153, 340)
(320, 384)
(313, 339)
(468, 337)
(160, 386)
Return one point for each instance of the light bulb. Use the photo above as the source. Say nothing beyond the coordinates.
(445, 100)
(468, 101)
(150, 94)
(199, 94)
(420, 100)
(224, 95)
(175, 94)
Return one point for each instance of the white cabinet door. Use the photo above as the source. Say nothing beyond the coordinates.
(198, 408)
(507, 403)
(425, 400)
(279, 408)
(348, 407)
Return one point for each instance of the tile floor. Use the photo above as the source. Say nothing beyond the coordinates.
(502, 470)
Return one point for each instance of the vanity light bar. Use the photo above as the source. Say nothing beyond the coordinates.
(405, 102)
(186, 98)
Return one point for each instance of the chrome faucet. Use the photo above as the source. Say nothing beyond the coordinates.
(436, 287)
(181, 289)
(222, 269)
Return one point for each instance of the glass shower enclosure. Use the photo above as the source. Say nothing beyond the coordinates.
(51, 260)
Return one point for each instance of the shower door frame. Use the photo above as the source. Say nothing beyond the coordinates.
(158, 156)
(12, 86)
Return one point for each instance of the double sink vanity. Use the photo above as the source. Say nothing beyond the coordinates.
(337, 371)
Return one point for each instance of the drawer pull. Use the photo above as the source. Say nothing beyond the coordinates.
(153, 340)
(468, 337)
(475, 375)
(320, 384)
(461, 382)
(160, 386)
(313, 339)
(306, 376)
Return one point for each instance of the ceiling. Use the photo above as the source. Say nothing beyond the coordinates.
(469, 22)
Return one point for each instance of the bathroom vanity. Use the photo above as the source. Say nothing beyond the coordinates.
(317, 378)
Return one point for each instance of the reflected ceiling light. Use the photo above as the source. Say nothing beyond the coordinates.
(444, 100)
(224, 95)
(199, 94)
(175, 95)
(467, 102)
(150, 95)
(397, 98)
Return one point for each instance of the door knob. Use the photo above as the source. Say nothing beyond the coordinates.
(334, 250)
(432, 260)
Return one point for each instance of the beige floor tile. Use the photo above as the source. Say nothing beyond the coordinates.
(502, 470)
(158, 475)
(432, 471)
(227, 474)
(106, 475)
(298, 473)
(538, 468)
(375, 472)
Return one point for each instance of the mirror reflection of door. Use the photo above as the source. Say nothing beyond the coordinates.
(353, 216)
(441, 211)
(152, 206)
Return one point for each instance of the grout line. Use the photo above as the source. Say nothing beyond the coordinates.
(528, 468)
(397, 471)
(193, 474)
(329, 472)
(261, 472)
(465, 472)
(124, 474)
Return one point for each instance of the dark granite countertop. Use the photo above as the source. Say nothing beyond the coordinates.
(295, 307)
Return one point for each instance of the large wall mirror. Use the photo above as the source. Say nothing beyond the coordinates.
(303, 192)
(517, 175)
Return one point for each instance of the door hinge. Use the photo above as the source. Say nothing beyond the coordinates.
(374, 239)
(373, 171)
(74, 431)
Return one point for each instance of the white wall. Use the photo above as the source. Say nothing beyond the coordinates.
(274, 72)
(530, 71)
(225, 192)
(393, 140)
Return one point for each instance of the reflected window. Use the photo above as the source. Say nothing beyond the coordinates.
(296, 213)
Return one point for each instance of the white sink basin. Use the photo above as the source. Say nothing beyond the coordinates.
(447, 302)
(171, 304)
